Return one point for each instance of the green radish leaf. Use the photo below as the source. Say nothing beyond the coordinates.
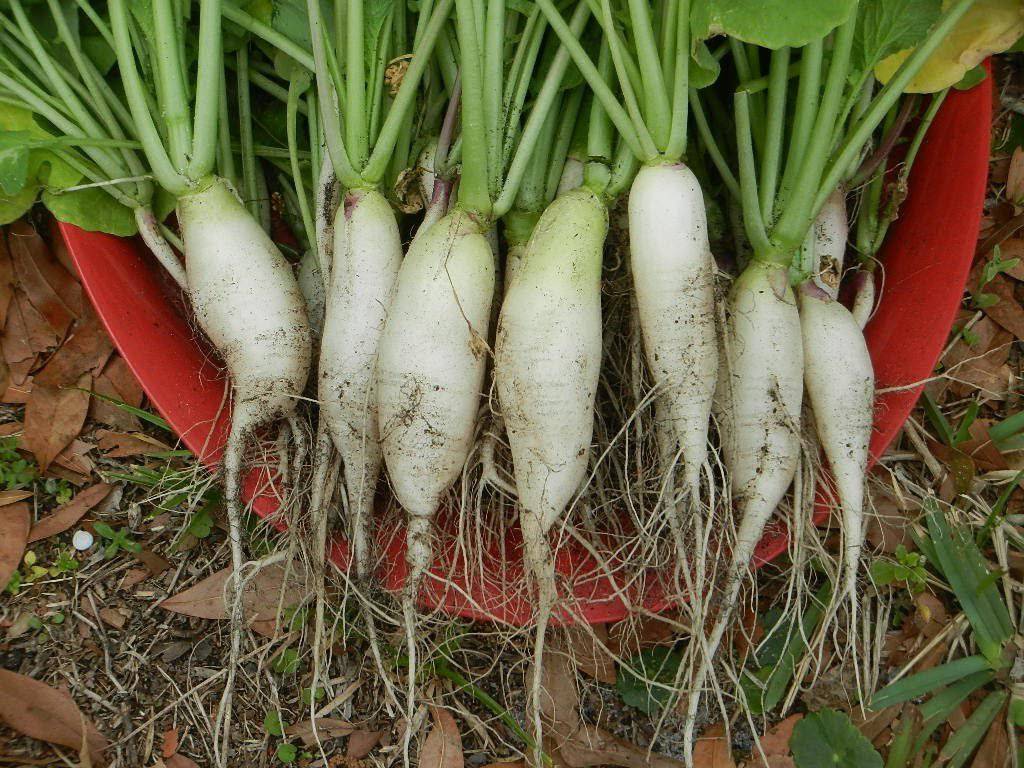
(769, 23)
(888, 26)
(14, 155)
(704, 67)
(989, 26)
(13, 207)
(99, 53)
(375, 16)
(659, 665)
(91, 209)
(927, 681)
(827, 739)
(972, 78)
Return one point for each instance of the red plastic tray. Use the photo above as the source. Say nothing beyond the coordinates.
(926, 261)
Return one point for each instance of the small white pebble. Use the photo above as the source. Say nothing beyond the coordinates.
(82, 540)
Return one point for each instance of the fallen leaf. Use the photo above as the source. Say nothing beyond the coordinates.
(559, 700)
(68, 514)
(39, 276)
(119, 445)
(9, 497)
(14, 525)
(361, 743)
(261, 597)
(512, 764)
(713, 752)
(1007, 311)
(26, 333)
(994, 751)
(775, 744)
(327, 729)
(6, 280)
(112, 617)
(116, 382)
(75, 459)
(170, 743)
(591, 658)
(85, 351)
(1015, 177)
(154, 564)
(443, 746)
(53, 418)
(593, 746)
(175, 761)
(41, 712)
(133, 577)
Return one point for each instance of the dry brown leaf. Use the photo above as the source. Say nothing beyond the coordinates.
(775, 744)
(593, 746)
(9, 497)
(994, 751)
(41, 278)
(262, 594)
(1007, 311)
(327, 729)
(6, 280)
(119, 445)
(361, 743)
(53, 418)
(512, 764)
(170, 742)
(26, 332)
(154, 564)
(85, 351)
(443, 746)
(116, 382)
(68, 514)
(41, 712)
(75, 459)
(14, 524)
(1015, 177)
(585, 646)
(712, 752)
(176, 760)
(559, 699)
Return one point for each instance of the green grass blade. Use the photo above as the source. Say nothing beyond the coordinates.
(925, 682)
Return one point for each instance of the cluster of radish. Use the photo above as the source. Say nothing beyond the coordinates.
(519, 142)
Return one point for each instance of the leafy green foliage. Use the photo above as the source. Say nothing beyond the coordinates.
(769, 23)
(658, 665)
(907, 569)
(116, 540)
(888, 26)
(286, 662)
(15, 471)
(91, 209)
(287, 753)
(827, 739)
(14, 151)
(272, 724)
(778, 654)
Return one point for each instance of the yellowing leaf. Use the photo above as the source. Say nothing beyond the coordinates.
(990, 26)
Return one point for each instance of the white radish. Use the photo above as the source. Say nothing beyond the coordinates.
(311, 283)
(430, 373)
(840, 385)
(547, 365)
(245, 297)
(765, 391)
(572, 175)
(367, 257)
(673, 275)
(830, 232)
(863, 296)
